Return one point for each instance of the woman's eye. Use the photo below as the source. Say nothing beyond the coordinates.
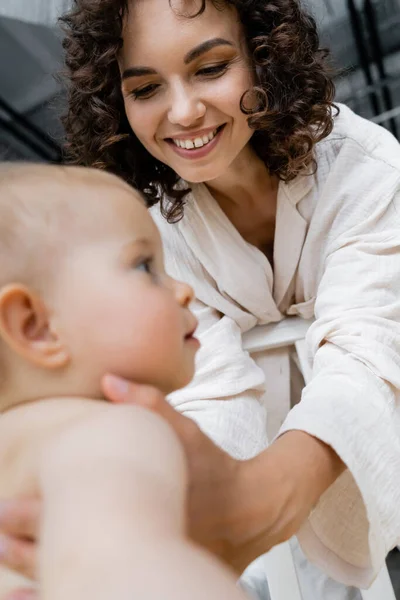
(144, 92)
(213, 70)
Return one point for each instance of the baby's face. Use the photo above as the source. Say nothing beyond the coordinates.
(113, 304)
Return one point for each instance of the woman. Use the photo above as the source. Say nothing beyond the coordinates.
(270, 205)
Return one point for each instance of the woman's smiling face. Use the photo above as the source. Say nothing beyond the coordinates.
(182, 82)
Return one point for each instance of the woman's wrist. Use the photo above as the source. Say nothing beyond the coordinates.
(311, 463)
(276, 491)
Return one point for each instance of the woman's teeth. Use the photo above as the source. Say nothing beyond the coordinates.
(198, 142)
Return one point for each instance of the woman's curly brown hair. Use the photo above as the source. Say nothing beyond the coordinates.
(293, 87)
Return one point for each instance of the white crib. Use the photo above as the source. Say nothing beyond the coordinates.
(279, 565)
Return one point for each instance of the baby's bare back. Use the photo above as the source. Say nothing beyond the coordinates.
(25, 431)
(66, 451)
(112, 480)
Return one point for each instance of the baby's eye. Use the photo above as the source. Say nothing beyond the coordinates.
(145, 265)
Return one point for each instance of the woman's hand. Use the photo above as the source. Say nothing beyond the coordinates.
(19, 520)
(241, 509)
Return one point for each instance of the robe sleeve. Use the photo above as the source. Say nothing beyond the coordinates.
(352, 402)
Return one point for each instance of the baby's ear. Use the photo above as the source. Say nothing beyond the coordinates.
(24, 326)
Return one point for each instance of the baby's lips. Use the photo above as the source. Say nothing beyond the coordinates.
(192, 327)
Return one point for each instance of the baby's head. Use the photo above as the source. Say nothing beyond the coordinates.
(83, 289)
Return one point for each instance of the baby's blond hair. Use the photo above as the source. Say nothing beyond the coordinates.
(39, 213)
(29, 219)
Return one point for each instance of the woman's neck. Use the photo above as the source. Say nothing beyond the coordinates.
(246, 183)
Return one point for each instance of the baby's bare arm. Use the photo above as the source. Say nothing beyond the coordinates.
(113, 521)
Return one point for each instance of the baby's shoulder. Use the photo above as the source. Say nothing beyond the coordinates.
(55, 438)
(25, 433)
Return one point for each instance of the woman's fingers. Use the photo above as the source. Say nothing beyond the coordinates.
(121, 391)
(19, 525)
(20, 518)
(19, 555)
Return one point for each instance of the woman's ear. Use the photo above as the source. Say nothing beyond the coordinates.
(24, 326)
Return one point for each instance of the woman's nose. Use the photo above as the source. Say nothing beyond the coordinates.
(186, 108)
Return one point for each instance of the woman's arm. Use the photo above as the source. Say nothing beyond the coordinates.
(240, 509)
(352, 402)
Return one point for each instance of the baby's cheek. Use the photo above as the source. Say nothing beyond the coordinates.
(140, 340)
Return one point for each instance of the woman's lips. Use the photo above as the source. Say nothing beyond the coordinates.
(196, 153)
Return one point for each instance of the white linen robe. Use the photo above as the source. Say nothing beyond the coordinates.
(336, 258)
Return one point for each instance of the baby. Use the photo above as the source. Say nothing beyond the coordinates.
(83, 292)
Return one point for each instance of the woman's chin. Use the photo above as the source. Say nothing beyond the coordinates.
(201, 174)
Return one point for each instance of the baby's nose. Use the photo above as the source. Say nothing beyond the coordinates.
(184, 293)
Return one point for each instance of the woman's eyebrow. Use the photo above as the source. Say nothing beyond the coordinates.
(205, 47)
(189, 57)
(138, 72)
